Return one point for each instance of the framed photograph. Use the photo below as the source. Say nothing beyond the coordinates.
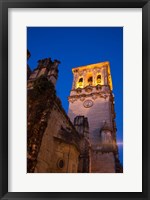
(74, 99)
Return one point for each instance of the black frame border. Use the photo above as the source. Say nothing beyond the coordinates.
(4, 6)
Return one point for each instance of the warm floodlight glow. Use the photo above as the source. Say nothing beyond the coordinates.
(94, 74)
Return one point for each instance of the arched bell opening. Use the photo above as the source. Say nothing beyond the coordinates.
(90, 80)
(80, 82)
(99, 79)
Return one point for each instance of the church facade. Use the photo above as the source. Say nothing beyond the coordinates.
(84, 141)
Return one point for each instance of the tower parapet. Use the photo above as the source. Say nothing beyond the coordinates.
(45, 68)
(92, 75)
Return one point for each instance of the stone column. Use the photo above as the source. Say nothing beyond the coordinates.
(105, 75)
(75, 79)
(94, 77)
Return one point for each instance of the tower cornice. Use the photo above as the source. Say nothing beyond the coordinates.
(91, 66)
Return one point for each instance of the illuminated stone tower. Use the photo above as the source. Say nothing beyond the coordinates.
(91, 96)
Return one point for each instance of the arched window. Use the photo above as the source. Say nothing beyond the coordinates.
(81, 82)
(90, 80)
(99, 79)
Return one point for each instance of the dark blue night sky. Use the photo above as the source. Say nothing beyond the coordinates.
(77, 46)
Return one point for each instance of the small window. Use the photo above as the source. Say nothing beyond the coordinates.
(90, 80)
(60, 163)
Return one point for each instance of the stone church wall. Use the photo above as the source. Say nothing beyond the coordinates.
(55, 148)
(53, 144)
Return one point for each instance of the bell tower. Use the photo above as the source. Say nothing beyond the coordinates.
(91, 96)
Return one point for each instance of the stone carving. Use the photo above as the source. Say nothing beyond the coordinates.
(82, 98)
(94, 96)
(45, 68)
(78, 90)
(88, 89)
(88, 103)
(72, 99)
(44, 63)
